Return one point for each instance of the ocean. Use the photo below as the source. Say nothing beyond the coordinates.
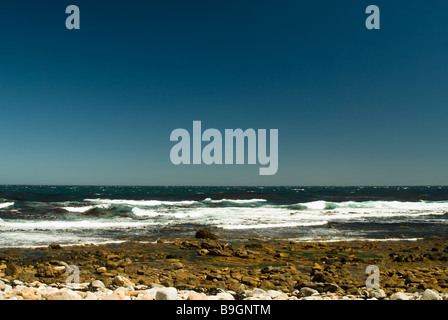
(34, 216)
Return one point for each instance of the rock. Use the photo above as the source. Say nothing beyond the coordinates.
(112, 296)
(203, 252)
(90, 296)
(97, 284)
(177, 266)
(55, 246)
(17, 283)
(267, 285)
(168, 293)
(277, 295)
(429, 294)
(29, 294)
(13, 270)
(224, 296)
(399, 296)
(205, 234)
(2, 285)
(122, 282)
(101, 270)
(317, 267)
(306, 292)
(378, 294)
(250, 281)
(63, 295)
(196, 296)
(220, 252)
(258, 291)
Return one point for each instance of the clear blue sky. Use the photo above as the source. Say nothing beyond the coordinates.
(97, 105)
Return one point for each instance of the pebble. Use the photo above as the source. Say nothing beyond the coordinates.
(97, 290)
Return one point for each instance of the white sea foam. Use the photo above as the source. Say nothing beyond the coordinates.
(145, 213)
(78, 209)
(85, 208)
(272, 225)
(397, 205)
(341, 239)
(235, 200)
(6, 204)
(28, 225)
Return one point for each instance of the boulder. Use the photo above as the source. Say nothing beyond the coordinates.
(430, 295)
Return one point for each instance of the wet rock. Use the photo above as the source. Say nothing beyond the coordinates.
(267, 285)
(55, 246)
(203, 252)
(206, 234)
(250, 281)
(220, 252)
(13, 270)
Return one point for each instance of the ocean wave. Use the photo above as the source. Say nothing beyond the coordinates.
(72, 224)
(145, 213)
(396, 205)
(143, 203)
(235, 200)
(6, 204)
(272, 225)
(83, 209)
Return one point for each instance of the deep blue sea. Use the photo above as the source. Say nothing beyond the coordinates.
(33, 216)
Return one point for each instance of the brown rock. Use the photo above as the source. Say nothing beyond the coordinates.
(122, 282)
(205, 234)
(13, 270)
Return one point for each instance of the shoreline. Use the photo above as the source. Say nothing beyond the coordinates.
(209, 267)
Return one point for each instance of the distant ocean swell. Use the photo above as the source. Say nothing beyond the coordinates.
(37, 216)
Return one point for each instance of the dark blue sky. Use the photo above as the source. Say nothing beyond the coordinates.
(97, 105)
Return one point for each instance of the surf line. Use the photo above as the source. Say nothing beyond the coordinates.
(234, 140)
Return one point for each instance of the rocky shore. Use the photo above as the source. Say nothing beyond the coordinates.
(209, 268)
